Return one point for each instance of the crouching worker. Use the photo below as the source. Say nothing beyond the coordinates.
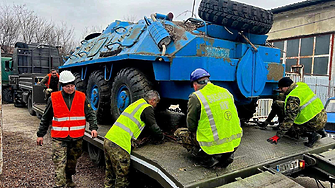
(304, 114)
(214, 131)
(117, 144)
(69, 110)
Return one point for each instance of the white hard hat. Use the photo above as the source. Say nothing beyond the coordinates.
(66, 77)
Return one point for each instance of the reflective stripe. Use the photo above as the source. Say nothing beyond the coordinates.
(209, 115)
(137, 107)
(78, 118)
(309, 102)
(69, 118)
(77, 127)
(60, 128)
(133, 119)
(221, 141)
(60, 119)
(67, 128)
(125, 129)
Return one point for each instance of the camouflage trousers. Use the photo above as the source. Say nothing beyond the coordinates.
(64, 157)
(188, 140)
(314, 125)
(117, 165)
(277, 108)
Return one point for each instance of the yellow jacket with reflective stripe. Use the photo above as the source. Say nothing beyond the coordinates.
(310, 105)
(129, 125)
(219, 128)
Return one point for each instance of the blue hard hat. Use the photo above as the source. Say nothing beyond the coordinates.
(198, 73)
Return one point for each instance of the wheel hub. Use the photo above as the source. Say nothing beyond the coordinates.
(123, 98)
(95, 97)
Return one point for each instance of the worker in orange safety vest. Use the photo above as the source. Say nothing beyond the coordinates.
(69, 110)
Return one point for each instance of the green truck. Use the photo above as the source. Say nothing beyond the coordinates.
(7, 95)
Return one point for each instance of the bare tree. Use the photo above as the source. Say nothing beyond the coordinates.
(9, 28)
(28, 22)
(64, 38)
(130, 18)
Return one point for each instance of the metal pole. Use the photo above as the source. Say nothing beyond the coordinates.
(193, 9)
(1, 159)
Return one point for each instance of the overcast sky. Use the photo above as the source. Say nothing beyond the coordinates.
(82, 14)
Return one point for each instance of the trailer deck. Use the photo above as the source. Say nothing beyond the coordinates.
(173, 166)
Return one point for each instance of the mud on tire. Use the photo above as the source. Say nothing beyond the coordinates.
(98, 94)
(129, 82)
(236, 15)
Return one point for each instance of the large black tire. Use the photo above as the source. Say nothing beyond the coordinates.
(130, 81)
(96, 82)
(80, 84)
(30, 106)
(245, 112)
(236, 15)
(7, 95)
(96, 154)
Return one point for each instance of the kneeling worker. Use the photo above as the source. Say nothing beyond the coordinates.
(304, 114)
(117, 144)
(214, 130)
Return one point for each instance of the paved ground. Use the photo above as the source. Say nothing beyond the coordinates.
(27, 165)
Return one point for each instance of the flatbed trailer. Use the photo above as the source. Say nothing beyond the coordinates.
(172, 166)
(255, 164)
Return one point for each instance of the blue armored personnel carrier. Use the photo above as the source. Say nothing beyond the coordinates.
(117, 66)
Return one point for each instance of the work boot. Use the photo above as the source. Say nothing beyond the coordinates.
(228, 161)
(210, 162)
(312, 138)
(70, 183)
(322, 132)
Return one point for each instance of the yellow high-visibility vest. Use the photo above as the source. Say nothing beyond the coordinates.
(219, 129)
(129, 125)
(310, 104)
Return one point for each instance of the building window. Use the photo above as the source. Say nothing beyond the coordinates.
(312, 52)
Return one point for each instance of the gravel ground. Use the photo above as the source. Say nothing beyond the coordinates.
(27, 165)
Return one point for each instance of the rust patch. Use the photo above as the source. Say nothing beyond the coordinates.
(201, 50)
(176, 33)
(275, 71)
(209, 40)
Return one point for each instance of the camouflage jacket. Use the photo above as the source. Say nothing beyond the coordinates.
(291, 112)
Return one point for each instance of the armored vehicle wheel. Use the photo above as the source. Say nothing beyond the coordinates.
(245, 112)
(98, 94)
(236, 15)
(129, 85)
(80, 84)
(96, 154)
(30, 106)
(7, 96)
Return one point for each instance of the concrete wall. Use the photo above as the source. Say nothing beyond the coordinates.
(304, 21)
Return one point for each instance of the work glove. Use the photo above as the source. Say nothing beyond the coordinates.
(274, 139)
(48, 91)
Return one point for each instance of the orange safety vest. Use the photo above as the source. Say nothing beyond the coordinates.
(49, 80)
(68, 122)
